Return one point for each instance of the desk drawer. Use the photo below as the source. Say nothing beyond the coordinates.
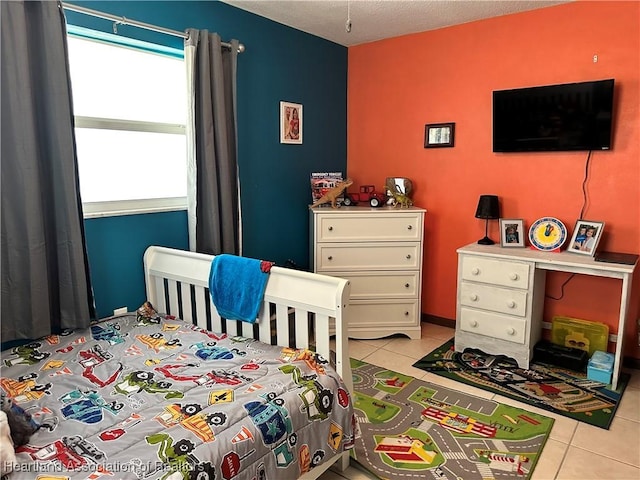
(497, 299)
(511, 329)
(496, 272)
(363, 256)
(381, 226)
(381, 284)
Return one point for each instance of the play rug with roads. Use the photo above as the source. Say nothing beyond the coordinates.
(413, 429)
(551, 388)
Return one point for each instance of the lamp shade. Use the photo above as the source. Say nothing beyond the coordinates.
(488, 207)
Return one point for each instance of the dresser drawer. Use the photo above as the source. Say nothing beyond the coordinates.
(495, 272)
(479, 322)
(381, 284)
(373, 227)
(374, 313)
(367, 256)
(497, 299)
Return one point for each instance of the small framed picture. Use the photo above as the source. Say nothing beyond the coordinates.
(439, 135)
(586, 236)
(290, 123)
(512, 232)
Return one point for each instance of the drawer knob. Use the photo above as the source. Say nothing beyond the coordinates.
(409, 257)
(406, 314)
(475, 271)
(330, 229)
(514, 276)
(511, 304)
(473, 323)
(474, 297)
(330, 257)
(410, 227)
(511, 331)
(406, 285)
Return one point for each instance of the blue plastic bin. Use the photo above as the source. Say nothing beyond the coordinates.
(600, 367)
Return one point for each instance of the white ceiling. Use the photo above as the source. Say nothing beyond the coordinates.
(373, 20)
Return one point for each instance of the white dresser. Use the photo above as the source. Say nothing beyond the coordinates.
(379, 250)
(497, 311)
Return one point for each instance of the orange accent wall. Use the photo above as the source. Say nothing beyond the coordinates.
(396, 86)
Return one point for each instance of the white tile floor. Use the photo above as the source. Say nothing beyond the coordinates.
(574, 451)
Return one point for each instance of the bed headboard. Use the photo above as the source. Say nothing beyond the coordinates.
(300, 310)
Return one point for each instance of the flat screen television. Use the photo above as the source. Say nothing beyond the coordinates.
(565, 117)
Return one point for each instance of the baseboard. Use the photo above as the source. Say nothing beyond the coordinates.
(628, 362)
(443, 322)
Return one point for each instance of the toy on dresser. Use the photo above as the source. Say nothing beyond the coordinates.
(332, 195)
(400, 199)
(399, 190)
(367, 194)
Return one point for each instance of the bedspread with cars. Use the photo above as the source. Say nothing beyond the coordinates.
(152, 397)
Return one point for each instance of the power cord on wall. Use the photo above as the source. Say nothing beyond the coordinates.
(582, 210)
(561, 288)
(584, 186)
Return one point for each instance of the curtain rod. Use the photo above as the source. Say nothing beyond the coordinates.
(127, 21)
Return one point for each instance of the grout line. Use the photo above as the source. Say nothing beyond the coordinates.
(598, 452)
(607, 457)
(564, 457)
(575, 430)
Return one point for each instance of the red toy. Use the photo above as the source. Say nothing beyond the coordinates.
(367, 194)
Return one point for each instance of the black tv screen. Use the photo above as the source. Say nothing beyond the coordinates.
(570, 116)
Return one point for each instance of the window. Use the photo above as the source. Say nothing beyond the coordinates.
(130, 112)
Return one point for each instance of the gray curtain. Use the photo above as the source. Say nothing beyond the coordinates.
(214, 215)
(45, 281)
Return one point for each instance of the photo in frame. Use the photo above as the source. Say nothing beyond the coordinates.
(512, 232)
(586, 236)
(290, 123)
(439, 135)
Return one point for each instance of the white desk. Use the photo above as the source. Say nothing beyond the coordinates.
(506, 267)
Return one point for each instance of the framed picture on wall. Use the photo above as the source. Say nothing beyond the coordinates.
(586, 236)
(512, 232)
(439, 135)
(290, 123)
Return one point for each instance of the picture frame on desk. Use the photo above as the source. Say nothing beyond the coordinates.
(586, 237)
(512, 232)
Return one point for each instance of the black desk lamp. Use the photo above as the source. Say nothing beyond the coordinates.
(489, 209)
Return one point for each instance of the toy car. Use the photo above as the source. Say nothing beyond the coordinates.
(367, 194)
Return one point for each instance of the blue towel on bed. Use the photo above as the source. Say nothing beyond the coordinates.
(237, 285)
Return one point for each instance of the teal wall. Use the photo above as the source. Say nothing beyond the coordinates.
(280, 63)
(115, 246)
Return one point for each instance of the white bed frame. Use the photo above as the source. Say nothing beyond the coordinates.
(300, 310)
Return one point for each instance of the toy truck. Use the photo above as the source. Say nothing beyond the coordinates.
(367, 193)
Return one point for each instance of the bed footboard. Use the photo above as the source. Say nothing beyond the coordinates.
(300, 309)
